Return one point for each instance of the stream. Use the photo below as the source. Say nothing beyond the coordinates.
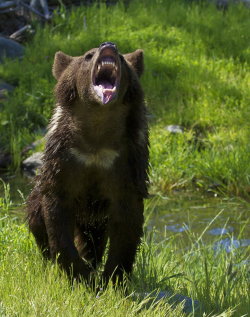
(191, 216)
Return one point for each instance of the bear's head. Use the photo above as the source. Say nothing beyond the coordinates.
(101, 76)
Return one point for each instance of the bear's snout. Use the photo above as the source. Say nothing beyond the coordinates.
(108, 44)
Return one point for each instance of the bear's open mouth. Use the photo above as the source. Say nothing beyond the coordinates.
(106, 75)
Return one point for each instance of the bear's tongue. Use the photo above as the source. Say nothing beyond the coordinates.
(105, 90)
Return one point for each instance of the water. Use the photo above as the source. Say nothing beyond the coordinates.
(187, 216)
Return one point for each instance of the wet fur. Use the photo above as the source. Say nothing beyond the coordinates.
(75, 207)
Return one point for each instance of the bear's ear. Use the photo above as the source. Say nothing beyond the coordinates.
(61, 62)
(136, 60)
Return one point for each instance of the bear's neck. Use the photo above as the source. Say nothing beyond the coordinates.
(99, 127)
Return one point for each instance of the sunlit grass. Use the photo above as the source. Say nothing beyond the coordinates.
(31, 287)
(217, 280)
(196, 75)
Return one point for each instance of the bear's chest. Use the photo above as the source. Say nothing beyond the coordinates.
(91, 177)
(102, 159)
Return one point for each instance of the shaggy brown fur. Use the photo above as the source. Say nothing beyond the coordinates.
(94, 174)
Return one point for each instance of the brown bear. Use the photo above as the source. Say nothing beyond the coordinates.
(95, 165)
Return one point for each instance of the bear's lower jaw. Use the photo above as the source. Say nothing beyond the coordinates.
(105, 92)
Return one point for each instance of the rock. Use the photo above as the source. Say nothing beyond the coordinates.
(32, 164)
(174, 129)
(10, 49)
(4, 90)
(189, 305)
(5, 86)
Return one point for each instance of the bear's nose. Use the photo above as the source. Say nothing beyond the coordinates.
(108, 44)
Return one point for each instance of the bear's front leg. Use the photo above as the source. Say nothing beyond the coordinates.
(125, 231)
(60, 221)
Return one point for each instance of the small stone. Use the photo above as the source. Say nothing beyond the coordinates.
(32, 164)
(174, 129)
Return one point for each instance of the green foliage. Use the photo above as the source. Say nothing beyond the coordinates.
(197, 75)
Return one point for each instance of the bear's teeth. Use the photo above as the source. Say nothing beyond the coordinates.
(107, 63)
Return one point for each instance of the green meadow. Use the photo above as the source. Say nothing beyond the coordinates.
(197, 77)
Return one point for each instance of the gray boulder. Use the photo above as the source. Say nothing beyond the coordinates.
(10, 49)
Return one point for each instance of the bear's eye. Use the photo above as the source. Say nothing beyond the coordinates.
(89, 56)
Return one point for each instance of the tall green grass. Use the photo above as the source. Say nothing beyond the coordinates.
(5, 200)
(196, 75)
(178, 264)
(31, 287)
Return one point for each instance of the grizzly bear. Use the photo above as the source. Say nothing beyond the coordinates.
(95, 165)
